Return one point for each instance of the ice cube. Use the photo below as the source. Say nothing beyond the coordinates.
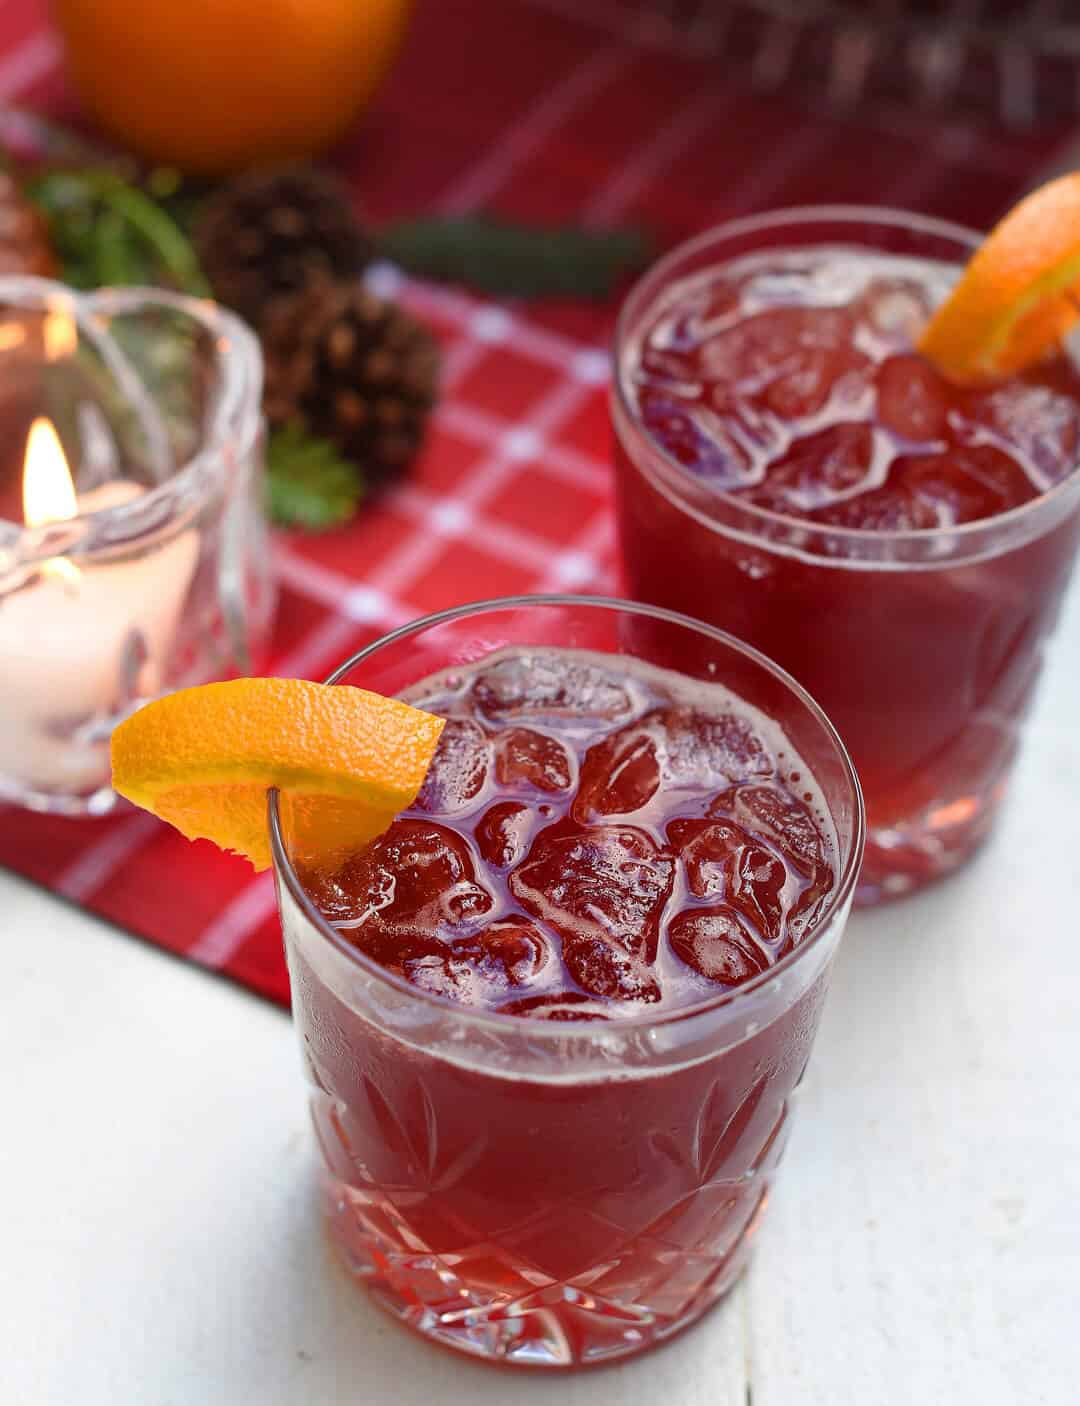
(618, 775)
(716, 431)
(888, 509)
(779, 817)
(438, 974)
(721, 452)
(1041, 420)
(724, 861)
(756, 881)
(329, 894)
(965, 484)
(481, 968)
(912, 398)
(806, 909)
(702, 749)
(716, 944)
(669, 422)
(669, 748)
(417, 876)
(458, 770)
(526, 757)
(819, 468)
(605, 970)
(551, 684)
(511, 949)
(710, 850)
(785, 348)
(756, 376)
(502, 835)
(804, 389)
(606, 883)
(667, 373)
(715, 306)
(398, 947)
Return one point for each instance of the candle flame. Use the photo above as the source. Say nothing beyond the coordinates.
(48, 490)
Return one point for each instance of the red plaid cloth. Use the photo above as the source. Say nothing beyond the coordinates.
(545, 110)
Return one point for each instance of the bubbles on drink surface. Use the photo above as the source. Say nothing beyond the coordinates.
(790, 380)
(552, 684)
(594, 839)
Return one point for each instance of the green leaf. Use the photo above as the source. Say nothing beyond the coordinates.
(109, 230)
(514, 260)
(311, 484)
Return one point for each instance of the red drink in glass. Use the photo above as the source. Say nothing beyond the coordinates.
(791, 470)
(555, 1016)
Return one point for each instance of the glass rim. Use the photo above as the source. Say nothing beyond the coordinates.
(641, 297)
(732, 996)
(239, 368)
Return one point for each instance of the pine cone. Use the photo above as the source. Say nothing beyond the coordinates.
(272, 232)
(355, 370)
(24, 235)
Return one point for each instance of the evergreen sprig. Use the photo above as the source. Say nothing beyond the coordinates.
(515, 260)
(311, 484)
(108, 230)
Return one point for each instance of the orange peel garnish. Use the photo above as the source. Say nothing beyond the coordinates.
(346, 761)
(1018, 295)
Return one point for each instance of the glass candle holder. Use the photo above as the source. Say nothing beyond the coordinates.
(133, 547)
(923, 645)
(554, 1193)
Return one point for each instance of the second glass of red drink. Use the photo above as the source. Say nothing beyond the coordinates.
(791, 470)
(555, 1017)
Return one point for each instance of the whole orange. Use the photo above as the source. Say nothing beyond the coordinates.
(215, 85)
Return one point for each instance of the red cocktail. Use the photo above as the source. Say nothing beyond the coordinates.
(555, 1016)
(791, 470)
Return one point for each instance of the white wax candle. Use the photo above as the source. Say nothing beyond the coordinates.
(62, 643)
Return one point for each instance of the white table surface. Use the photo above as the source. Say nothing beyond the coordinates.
(160, 1246)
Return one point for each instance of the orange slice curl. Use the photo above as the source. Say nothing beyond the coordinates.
(1018, 295)
(346, 760)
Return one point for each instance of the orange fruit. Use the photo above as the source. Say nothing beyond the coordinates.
(215, 85)
(1018, 295)
(345, 760)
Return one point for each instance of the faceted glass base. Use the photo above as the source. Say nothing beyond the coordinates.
(614, 1311)
(899, 860)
